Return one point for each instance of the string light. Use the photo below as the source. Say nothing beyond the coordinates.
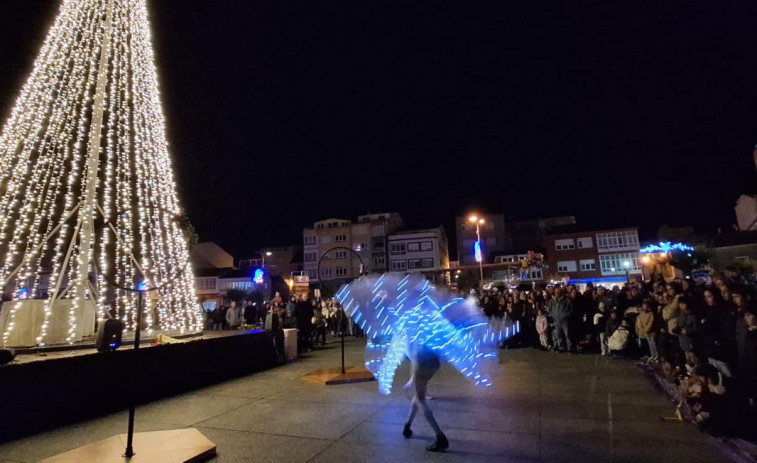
(85, 144)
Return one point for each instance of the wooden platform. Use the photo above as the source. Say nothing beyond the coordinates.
(174, 446)
(333, 376)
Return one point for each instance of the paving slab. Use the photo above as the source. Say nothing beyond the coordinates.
(544, 407)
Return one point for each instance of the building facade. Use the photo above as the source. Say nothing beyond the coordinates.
(607, 256)
(532, 234)
(346, 248)
(492, 233)
(419, 251)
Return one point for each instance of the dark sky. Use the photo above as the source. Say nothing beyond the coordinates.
(281, 113)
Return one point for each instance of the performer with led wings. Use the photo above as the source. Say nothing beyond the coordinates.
(407, 316)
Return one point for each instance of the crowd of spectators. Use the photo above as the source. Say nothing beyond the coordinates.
(700, 335)
(314, 318)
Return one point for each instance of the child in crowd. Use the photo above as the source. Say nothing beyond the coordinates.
(600, 326)
(542, 327)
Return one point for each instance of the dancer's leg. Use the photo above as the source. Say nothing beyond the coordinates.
(421, 385)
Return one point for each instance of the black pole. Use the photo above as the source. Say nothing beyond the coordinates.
(130, 433)
(342, 327)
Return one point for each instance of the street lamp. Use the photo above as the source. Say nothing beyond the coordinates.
(478, 221)
(263, 254)
(627, 265)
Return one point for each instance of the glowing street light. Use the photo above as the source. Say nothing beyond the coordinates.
(627, 265)
(477, 246)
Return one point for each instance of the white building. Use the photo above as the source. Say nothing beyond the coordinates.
(332, 242)
(418, 251)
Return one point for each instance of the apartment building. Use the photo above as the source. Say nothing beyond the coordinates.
(343, 246)
(584, 256)
(418, 251)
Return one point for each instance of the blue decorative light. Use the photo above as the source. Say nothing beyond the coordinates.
(23, 293)
(665, 247)
(258, 276)
(477, 250)
(141, 286)
(402, 313)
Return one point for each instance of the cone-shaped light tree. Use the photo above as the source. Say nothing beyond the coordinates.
(88, 205)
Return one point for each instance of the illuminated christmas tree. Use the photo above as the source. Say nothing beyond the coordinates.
(89, 206)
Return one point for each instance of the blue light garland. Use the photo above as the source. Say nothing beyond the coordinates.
(665, 247)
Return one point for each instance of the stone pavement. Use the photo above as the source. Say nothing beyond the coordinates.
(544, 407)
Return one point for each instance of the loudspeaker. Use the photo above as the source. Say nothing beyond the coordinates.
(109, 334)
(6, 355)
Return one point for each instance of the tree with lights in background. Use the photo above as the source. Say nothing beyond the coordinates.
(89, 206)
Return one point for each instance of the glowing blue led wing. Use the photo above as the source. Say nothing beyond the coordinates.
(398, 312)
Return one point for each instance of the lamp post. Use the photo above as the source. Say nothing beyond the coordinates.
(263, 254)
(478, 221)
(627, 266)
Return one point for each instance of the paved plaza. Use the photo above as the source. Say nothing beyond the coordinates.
(544, 407)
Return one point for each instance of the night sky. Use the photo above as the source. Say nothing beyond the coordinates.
(280, 113)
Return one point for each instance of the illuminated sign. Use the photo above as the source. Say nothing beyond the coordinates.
(257, 277)
(477, 250)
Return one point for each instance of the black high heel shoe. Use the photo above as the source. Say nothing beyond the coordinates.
(440, 445)
(407, 432)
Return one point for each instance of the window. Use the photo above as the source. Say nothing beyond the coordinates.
(311, 240)
(399, 264)
(206, 284)
(584, 243)
(311, 256)
(565, 244)
(312, 273)
(379, 261)
(340, 254)
(362, 247)
(615, 241)
(379, 246)
(341, 271)
(326, 272)
(340, 238)
(413, 263)
(427, 262)
(614, 264)
(427, 246)
(588, 265)
(413, 247)
(566, 266)
(397, 249)
(531, 274)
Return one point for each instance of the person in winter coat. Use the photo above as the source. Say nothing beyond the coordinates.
(600, 325)
(688, 326)
(718, 332)
(303, 312)
(746, 340)
(645, 326)
(232, 316)
(542, 327)
(562, 313)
